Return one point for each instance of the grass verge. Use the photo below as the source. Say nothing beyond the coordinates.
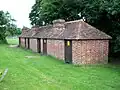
(47, 73)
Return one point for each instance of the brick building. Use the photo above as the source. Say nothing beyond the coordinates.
(74, 42)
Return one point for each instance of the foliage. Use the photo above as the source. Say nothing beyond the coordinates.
(103, 14)
(14, 31)
(18, 31)
(47, 73)
(35, 14)
(49, 10)
(7, 26)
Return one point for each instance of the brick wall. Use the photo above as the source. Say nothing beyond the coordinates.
(56, 48)
(90, 51)
(22, 40)
(33, 45)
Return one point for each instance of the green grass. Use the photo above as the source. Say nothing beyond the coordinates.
(47, 73)
(13, 41)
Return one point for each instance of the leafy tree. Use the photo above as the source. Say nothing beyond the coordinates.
(35, 14)
(6, 25)
(103, 14)
(18, 31)
(49, 10)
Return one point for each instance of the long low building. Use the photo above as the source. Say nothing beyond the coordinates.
(74, 42)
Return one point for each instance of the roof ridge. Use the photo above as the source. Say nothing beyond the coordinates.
(78, 30)
(98, 30)
(45, 26)
(72, 21)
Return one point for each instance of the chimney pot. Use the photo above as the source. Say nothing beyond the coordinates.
(25, 29)
(58, 25)
(35, 29)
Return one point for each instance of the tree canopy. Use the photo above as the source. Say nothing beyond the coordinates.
(103, 14)
(7, 26)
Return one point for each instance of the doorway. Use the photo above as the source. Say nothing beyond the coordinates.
(39, 45)
(45, 46)
(25, 43)
(68, 51)
(28, 43)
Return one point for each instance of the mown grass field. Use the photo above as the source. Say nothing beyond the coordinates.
(47, 73)
(13, 41)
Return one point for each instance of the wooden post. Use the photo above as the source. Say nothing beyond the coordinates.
(28, 43)
(19, 41)
(25, 42)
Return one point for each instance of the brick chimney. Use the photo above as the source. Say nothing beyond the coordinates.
(24, 29)
(35, 29)
(58, 25)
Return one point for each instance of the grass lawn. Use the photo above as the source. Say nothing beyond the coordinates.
(13, 41)
(47, 73)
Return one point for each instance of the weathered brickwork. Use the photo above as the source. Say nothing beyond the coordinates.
(90, 51)
(22, 40)
(89, 45)
(56, 48)
(33, 45)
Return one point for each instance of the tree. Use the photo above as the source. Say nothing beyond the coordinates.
(6, 25)
(35, 14)
(103, 14)
(18, 31)
(49, 10)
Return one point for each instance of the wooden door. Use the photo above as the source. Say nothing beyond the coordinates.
(68, 51)
(19, 41)
(45, 46)
(28, 43)
(25, 43)
(39, 45)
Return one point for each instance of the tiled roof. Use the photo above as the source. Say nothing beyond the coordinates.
(73, 30)
(43, 31)
(82, 30)
(29, 34)
(24, 33)
(78, 30)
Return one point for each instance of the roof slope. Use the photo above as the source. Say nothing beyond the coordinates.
(81, 30)
(73, 30)
(24, 33)
(43, 32)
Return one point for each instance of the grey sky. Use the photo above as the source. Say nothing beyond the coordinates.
(19, 10)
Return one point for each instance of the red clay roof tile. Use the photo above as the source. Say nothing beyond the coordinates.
(73, 30)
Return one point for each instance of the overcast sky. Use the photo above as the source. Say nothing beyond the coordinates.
(19, 10)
